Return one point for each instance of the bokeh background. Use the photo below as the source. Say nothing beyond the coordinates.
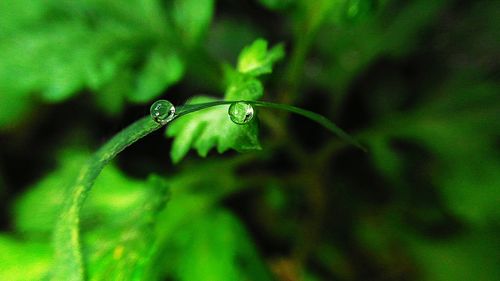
(417, 82)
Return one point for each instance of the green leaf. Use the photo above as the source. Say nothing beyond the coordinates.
(163, 68)
(35, 217)
(15, 14)
(106, 67)
(48, 59)
(111, 97)
(68, 249)
(89, 45)
(210, 128)
(242, 87)
(193, 218)
(123, 249)
(192, 18)
(114, 195)
(216, 247)
(21, 260)
(117, 221)
(256, 59)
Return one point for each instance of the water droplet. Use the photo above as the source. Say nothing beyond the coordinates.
(241, 112)
(162, 111)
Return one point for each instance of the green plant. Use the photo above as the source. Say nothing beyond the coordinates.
(240, 186)
(68, 256)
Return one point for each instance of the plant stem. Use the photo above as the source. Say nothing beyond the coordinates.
(296, 67)
(320, 119)
(68, 262)
(316, 13)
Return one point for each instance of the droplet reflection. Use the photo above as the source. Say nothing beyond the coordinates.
(241, 112)
(162, 111)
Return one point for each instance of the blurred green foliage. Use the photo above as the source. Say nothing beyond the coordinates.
(415, 81)
(121, 51)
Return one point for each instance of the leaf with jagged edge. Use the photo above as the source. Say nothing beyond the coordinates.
(256, 59)
(212, 127)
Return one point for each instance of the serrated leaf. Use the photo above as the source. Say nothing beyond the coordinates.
(210, 128)
(256, 59)
(242, 87)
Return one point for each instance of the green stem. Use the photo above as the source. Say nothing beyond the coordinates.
(296, 67)
(68, 262)
(316, 13)
(320, 119)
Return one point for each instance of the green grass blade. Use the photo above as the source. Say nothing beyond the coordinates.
(68, 253)
(320, 119)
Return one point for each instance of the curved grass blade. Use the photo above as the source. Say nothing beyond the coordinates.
(68, 253)
(320, 119)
